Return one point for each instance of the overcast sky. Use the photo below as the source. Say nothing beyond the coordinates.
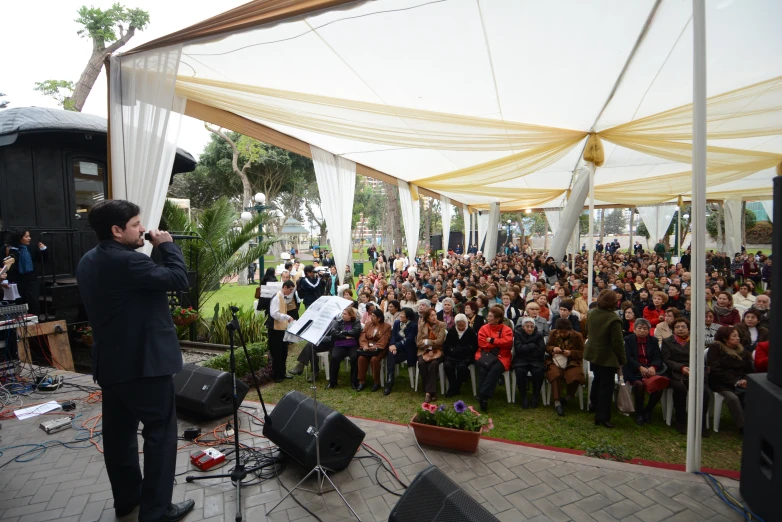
(38, 42)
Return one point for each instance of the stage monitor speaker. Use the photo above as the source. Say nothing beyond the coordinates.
(433, 497)
(206, 392)
(292, 421)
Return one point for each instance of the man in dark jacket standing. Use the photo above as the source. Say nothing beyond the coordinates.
(134, 356)
(310, 287)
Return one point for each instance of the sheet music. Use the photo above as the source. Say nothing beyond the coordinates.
(316, 320)
(10, 292)
(270, 289)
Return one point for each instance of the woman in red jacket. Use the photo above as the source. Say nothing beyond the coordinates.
(496, 340)
(655, 312)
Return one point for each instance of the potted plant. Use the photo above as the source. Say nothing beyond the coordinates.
(184, 316)
(458, 428)
(86, 335)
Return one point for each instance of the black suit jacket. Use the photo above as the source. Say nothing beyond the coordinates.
(124, 293)
(631, 371)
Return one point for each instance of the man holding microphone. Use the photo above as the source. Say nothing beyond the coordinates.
(134, 356)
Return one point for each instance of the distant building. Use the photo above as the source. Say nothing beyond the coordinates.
(757, 208)
(293, 234)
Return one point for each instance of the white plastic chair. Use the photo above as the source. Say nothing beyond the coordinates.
(506, 375)
(543, 389)
(442, 378)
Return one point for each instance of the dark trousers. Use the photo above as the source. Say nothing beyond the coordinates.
(680, 401)
(278, 349)
(29, 292)
(429, 371)
(537, 375)
(603, 391)
(488, 379)
(639, 391)
(151, 402)
(338, 354)
(457, 372)
(305, 357)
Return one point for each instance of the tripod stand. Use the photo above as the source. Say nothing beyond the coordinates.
(322, 475)
(239, 472)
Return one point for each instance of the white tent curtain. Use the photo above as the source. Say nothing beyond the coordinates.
(768, 206)
(445, 214)
(145, 117)
(732, 226)
(483, 226)
(552, 216)
(476, 234)
(491, 232)
(467, 228)
(411, 217)
(656, 218)
(567, 220)
(336, 177)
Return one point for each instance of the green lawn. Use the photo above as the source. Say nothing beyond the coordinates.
(576, 430)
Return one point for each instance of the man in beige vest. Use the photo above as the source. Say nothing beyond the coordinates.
(283, 309)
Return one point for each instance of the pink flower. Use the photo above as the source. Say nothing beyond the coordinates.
(431, 408)
(488, 427)
(473, 410)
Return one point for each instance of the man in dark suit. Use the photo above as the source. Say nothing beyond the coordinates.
(134, 356)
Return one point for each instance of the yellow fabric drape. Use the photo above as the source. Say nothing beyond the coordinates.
(371, 122)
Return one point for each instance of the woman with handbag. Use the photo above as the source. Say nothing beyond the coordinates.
(606, 353)
(431, 335)
(729, 364)
(565, 351)
(642, 371)
(402, 345)
(372, 346)
(676, 356)
(495, 341)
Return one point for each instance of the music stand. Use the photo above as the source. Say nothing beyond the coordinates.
(322, 472)
(239, 472)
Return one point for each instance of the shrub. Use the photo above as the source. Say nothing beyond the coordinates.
(258, 356)
(251, 325)
(760, 234)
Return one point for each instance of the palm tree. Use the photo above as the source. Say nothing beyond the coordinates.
(221, 253)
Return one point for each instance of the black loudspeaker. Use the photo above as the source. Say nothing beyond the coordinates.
(436, 242)
(292, 421)
(206, 392)
(433, 497)
(761, 456)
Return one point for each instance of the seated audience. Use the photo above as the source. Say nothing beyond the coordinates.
(529, 351)
(372, 349)
(344, 334)
(431, 336)
(729, 364)
(565, 349)
(461, 344)
(495, 343)
(644, 361)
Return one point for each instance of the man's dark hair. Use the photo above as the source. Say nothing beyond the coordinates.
(288, 284)
(288, 265)
(110, 212)
(309, 269)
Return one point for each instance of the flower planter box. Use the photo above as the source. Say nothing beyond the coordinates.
(86, 339)
(446, 437)
(185, 320)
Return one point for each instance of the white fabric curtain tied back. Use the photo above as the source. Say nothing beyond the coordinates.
(145, 119)
(467, 228)
(336, 177)
(445, 213)
(491, 232)
(732, 226)
(483, 226)
(565, 222)
(657, 219)
(768, 206)
(411, 217)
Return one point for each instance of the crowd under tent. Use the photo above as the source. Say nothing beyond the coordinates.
(486, 105)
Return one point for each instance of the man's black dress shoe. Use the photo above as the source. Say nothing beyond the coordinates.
(560, 410)
(375, 387)
(178, 511)
(360, 386)
(604, 424)
(330, 386)
(120, 512)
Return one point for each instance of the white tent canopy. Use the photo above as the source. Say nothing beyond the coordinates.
(491, 101)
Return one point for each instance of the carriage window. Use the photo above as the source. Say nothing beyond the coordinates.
(88, 183)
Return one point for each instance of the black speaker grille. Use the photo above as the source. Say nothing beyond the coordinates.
(433, 497)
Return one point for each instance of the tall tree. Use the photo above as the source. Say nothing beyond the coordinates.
(615, 222)
(109, 30)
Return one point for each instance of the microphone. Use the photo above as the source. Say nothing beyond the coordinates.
(173, 236)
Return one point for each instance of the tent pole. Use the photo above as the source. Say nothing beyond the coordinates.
(695, 413)
(591, 232)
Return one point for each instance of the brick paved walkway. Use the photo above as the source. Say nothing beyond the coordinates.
(513, 482)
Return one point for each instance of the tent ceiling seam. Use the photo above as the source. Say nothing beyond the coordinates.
(637, 44)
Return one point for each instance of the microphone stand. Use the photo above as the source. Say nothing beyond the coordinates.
(239, 472)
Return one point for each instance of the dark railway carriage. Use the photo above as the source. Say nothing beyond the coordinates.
(52, 171)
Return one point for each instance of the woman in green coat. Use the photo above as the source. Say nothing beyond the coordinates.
(605, 350)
